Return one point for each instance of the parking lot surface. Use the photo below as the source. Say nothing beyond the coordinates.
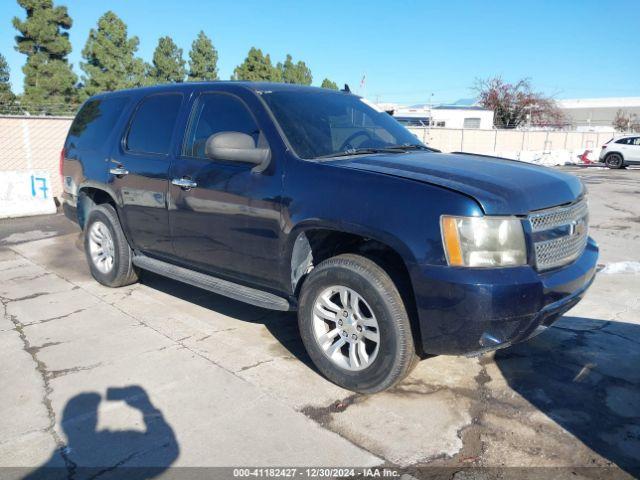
(166, 375)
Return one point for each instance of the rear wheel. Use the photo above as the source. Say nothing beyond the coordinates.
(354, 324)
(107, 250)
(614, 161)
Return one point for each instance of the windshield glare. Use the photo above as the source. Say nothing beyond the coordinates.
(321, 124)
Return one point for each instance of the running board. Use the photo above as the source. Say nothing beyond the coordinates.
(213, 284)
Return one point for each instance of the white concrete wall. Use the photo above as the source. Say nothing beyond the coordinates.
(25, 192)
(491, 141)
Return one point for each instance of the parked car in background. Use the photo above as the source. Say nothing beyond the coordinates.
(619, 152)
(302, 198)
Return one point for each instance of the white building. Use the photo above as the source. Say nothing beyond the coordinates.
(597, 114)
(447, 116)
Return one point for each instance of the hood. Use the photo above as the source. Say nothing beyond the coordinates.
(500, 186)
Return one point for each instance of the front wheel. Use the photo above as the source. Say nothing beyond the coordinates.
(614, 161)
(354, 324)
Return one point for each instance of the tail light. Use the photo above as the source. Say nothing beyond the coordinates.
(604, 146)
(63, 153)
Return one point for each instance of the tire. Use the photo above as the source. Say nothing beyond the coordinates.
(614, 161)
(372, 298)
(103, 233)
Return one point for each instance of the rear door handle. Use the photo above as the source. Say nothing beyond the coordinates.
(119, 171)
(184, 183)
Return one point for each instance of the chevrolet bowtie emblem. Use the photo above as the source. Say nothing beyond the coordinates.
(576, 227)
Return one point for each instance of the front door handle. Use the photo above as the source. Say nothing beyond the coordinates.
(184, 183)
(119, 171)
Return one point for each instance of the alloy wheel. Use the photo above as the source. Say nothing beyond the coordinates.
(614, 161)
(101, 247)
(345, 328)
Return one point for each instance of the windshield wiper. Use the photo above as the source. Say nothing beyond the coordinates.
(411, 146)
(362, 151)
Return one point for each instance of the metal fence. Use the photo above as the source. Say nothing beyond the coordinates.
(33, 143)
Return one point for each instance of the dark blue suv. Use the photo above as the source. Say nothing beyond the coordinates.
(301, 198)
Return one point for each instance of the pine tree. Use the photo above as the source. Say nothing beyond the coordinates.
(168, 64)
(110, 57)
(6, 95)
(203, 59)
(326, 83)
(48, 76)
(257, 68)
(297, 73)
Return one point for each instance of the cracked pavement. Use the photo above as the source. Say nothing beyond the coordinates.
(163, 374)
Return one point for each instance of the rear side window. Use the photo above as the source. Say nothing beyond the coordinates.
(152, 125)
(624, 141)
(215, 113)
(94, 122)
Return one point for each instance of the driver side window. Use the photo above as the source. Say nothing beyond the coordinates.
(215, 113)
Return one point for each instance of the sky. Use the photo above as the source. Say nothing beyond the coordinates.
(408, 51)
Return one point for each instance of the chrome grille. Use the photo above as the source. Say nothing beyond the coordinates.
(568, 229)
(557, 217)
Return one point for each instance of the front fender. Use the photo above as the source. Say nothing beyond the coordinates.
(403, 214)
(369, 232)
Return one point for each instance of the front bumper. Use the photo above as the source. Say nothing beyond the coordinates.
(467, 311)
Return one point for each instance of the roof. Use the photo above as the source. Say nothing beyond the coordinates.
(255, 86)
(609, 102)
(460, 107)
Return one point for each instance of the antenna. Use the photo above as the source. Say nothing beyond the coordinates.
(346, 88)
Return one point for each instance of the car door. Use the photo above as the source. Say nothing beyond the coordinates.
(623, 147)
(633, 150)
(139, 166)
(228, 221)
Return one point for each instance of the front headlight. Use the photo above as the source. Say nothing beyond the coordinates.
(483, 241)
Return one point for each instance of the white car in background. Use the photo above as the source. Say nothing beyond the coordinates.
(618, 152)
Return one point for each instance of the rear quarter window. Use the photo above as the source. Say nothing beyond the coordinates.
(95, 122)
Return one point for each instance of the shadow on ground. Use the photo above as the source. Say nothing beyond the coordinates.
(89, 453)
(282, 325)
(585, 375)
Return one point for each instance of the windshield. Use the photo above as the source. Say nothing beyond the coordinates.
(323, 124)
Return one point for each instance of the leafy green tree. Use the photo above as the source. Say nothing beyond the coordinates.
(203, 59)
(6, 95)
(297, 73)
(110, 58)
(48, 77)
(168, 64)
(326, 83)
(257, 68)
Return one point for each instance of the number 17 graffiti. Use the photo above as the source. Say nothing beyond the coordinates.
(42, 187)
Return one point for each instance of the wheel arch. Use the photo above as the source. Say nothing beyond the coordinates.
(315, 242)
(90, 195)
(614, 152)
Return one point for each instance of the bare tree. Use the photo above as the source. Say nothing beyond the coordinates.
(515, 104)
(626, 122)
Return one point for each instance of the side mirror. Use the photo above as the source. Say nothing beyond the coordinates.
(235, 147)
